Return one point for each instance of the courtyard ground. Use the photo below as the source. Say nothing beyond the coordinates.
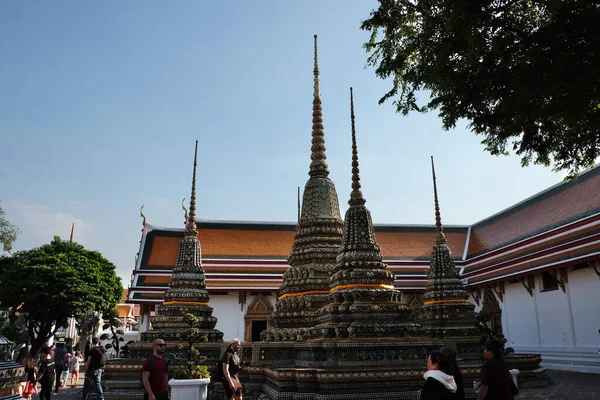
(567, 386)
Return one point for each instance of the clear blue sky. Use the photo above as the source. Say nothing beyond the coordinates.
(101, 102)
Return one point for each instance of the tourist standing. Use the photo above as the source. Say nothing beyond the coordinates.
(93, 369)
(439, 382)
(496, 381)
(231, 365)
(46, 373)
(155, 373)
(60, 361)
(450, 354)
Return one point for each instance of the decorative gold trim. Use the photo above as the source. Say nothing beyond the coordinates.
(302, 293)
(445, 301)
(143, 216)
(530, 285)
(561, 278)
(196, 303)
(499, 290)
(360, 286)
(242, 300)
(476, 294)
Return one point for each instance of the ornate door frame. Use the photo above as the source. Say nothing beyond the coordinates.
(259, 310)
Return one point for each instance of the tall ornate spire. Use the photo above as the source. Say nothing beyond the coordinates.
(318, 166)
(305, 287)
(363, 301)
(187, 290)
(440, 238)
(190, 228)
(356, 196)
(447, 311)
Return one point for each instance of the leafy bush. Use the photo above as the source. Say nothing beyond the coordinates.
(193, 368)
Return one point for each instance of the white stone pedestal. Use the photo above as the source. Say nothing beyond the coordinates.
(514, 373)
(189, 389)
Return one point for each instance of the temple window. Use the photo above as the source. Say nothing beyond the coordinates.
(549, 283)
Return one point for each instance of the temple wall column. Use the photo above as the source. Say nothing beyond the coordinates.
(145, 318)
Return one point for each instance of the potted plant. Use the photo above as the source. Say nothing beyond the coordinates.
(190, 382)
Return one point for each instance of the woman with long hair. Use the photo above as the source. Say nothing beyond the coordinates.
(439, 382)
(450, 354)
(496, 381)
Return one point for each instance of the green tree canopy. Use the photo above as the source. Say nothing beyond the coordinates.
(524, 73)
(54, 282)
(8, 232)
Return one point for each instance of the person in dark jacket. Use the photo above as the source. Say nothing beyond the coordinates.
(439, 382)
(496, 381)
(450, 354)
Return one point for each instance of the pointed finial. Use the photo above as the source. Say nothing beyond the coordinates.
(190, 229)
(298, 203)
(143, 216)
(184, 209)
(440, 238)
(72, 232)
(317, 85)
(356, 196)
(318, 166)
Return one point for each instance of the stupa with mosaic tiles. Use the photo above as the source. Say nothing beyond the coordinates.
(305, 287)
(363, 300)
(187, 290)
(447, 311)
(186, 294)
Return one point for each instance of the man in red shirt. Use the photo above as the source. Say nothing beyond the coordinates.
(154, 374)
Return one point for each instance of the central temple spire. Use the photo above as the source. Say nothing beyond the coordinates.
(318, 166)
(305, 287)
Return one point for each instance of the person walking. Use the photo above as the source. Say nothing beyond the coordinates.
(46, 373)
(74, 366)
(231, 365)
(496, 381)
(155, 371)
(450, 354)
(439, 382)
(93, 369)
(60, 362)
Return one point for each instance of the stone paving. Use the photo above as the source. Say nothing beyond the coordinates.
(566, 386)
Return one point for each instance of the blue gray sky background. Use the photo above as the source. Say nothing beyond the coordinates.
(101, 102)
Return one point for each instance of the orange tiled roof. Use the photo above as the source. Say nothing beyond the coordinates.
(406, 243)
(558, 206)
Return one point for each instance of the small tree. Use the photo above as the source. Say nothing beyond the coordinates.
(114, 324)
(51, 283)
(193, 368)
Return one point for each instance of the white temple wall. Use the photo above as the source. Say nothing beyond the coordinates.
(521, 327)
(584, 294)
(561, 326)
(553, 316)
(231, 318)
